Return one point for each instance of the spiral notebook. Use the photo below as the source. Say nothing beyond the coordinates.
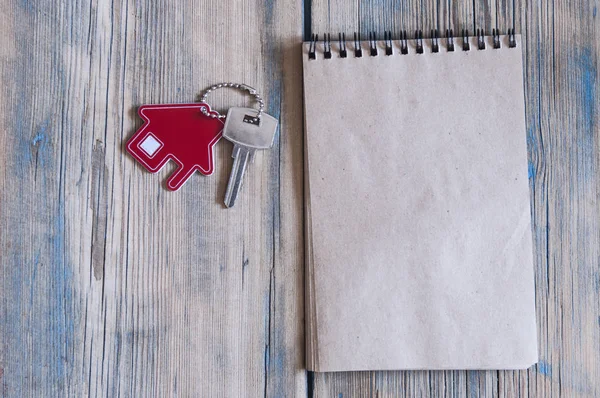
(419, 243)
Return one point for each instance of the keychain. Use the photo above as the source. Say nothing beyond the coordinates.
(179, 132)
(187, 133)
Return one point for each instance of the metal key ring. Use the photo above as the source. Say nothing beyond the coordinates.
(252, 91)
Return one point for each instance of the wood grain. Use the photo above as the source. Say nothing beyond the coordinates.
(111, 285)
(561, 54)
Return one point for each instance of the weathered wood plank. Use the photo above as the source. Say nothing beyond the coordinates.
(105, 287)
(561, 53)
(562, 60)
(112, 285)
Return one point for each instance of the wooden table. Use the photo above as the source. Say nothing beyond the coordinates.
(114, 286)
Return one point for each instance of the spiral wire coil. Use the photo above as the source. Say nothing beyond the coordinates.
(403, 42)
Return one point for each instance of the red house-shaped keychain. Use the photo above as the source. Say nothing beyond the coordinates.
(178, 132)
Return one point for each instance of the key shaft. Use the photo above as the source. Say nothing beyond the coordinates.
(241, 157)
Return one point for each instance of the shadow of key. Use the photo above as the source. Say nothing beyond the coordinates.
(178, 132)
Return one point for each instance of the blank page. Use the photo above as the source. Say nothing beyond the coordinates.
(419, 244)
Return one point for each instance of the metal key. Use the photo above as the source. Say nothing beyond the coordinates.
(248, 134)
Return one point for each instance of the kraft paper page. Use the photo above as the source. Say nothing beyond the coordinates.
(419, 244)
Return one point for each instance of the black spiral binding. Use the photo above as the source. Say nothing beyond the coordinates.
(389, 47)
(436, 45)
(419, 36)
(312, 49)
(480, 39)
(465, 36)
(372, 44)
(496, 38)
(342, 39)
(450, 39)
(403, 43)
(357, 48)
(327, 45)
(512, 42)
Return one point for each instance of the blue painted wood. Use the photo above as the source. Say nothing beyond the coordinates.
(37, 294)
(112, 286)
(89, 306)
